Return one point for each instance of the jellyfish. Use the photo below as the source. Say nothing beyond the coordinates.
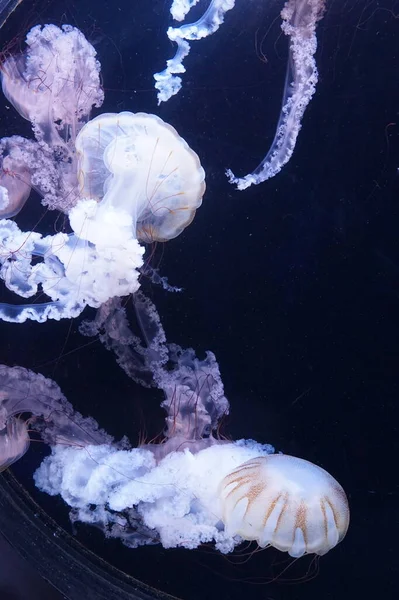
(14, 442)
(285, 502)
(54, 84)
(123, 179)
(139, 180)
(300, 18)
(22, 392)
(191, 486)
(139, 166)
(299, 21)
(15, 174)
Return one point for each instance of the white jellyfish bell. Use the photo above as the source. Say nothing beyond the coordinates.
(138, 181)
(285, 502)
(139, 165)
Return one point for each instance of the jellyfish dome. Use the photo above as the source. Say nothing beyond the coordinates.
(285, 502)
(54, 83)
(139, 180)
(138, 165)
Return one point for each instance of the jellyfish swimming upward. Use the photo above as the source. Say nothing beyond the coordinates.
(188, 488)
(299, 21)
(123, 180)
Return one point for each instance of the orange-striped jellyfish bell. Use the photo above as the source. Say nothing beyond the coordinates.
(285, 502)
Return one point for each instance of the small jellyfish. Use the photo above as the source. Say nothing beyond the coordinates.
(15, 180)
(285, 502)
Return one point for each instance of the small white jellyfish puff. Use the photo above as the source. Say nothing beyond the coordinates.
(138, 181)
(138, 166)
(285, 502)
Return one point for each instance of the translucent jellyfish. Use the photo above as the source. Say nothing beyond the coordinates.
(15, 176)
(120, 178)
(300, 18)
(139, 165)
(22, 391)
(138, 179)
(191, 487)
(285, 502)
(299, 21)
(14, 442)
(54, 84)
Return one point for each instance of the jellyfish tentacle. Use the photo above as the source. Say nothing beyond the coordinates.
(168, 83)
(300, 18)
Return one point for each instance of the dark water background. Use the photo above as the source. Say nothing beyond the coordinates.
(294, 284)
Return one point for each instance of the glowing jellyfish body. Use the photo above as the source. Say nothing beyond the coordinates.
(54, 84)
(285, 502)
(139, 165)
(138, 179)
(15, 176)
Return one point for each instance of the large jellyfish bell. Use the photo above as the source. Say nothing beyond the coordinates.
(138, 164)
(285, 502)
(138, 180)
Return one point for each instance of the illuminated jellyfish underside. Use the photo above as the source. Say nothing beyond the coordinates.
(191, 488)
(121, 178)
(299, 20)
